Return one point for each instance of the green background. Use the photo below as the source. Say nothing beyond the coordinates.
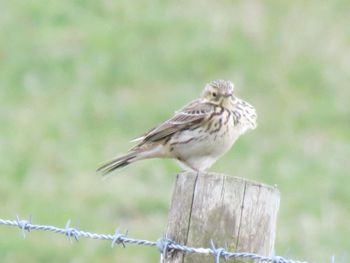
(79, 79)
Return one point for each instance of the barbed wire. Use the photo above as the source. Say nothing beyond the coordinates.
(164, 244)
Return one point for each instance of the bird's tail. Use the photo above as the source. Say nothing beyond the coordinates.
(118, 162)
(137, 153)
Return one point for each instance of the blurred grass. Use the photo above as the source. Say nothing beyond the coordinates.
(78, 79)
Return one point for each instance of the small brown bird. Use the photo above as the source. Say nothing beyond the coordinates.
(198, 134)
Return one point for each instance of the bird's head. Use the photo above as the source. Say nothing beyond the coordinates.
(218, 92)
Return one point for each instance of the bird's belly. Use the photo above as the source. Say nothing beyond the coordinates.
(196, 143)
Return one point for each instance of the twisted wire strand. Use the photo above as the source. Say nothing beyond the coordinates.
(164, 244)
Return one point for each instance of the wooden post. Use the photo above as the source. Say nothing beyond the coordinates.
(225, 209)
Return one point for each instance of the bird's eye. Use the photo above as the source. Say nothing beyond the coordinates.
(214, 94)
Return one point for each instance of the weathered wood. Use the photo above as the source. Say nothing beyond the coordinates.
(224, 209)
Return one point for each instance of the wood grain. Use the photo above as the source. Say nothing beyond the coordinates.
(226, 209)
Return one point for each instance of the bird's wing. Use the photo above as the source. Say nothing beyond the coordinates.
(193, 113)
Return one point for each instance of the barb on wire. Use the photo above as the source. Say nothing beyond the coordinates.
(164, 244)
(218, 252)
(119, 238)
(70, 232)
(23, 225)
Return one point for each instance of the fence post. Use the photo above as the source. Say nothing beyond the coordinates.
(228, 210)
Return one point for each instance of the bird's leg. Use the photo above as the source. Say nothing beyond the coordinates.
(185, 163)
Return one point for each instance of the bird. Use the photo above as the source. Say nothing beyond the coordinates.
(196, 135)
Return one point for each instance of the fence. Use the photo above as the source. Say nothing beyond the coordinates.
(164, 245)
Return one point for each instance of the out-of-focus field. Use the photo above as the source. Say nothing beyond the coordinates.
(79, 79)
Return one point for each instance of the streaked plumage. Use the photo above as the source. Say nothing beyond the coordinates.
(198, 134)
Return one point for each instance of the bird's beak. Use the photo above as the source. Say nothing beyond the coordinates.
(228, 94)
